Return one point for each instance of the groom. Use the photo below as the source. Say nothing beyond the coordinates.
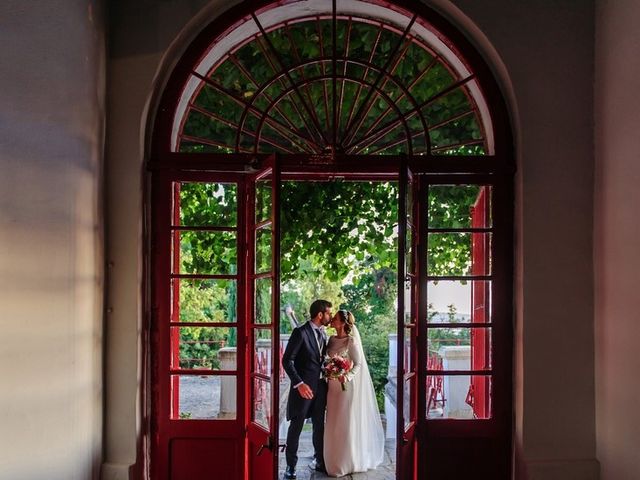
(302, 360)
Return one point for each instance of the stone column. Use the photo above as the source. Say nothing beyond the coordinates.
(390, 392)
(456, 387)
(284, 393)
(228, 402)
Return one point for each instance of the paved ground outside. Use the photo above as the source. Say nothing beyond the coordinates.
(200, 398)
(386, 471)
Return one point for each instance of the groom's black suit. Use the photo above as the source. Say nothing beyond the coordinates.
(302, 360)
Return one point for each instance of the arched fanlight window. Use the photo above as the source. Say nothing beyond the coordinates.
(355, 77)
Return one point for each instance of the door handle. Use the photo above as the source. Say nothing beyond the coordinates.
(405, 440)
(268, 445)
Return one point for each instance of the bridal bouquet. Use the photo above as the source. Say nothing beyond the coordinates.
(336, 367)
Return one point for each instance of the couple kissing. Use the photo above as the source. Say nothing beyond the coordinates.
(331, 384)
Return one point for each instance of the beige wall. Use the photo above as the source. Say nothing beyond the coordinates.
(542, 52)
(547, 50)
(51, 142)
(617, 240)
(141, 32)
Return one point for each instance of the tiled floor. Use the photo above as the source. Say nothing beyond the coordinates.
(386, 471)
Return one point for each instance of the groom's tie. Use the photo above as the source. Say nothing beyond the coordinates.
(320, 339)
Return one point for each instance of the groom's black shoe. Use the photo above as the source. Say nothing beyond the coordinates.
(290, 473)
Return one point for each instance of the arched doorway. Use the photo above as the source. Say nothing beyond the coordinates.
(314, 90)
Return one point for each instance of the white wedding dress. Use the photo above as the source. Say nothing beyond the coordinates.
(353, 434)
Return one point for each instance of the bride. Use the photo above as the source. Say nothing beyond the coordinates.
(353, 435)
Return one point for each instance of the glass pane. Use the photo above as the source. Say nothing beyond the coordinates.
(458, 396)
(461, 348)
(409, 258)
(204, 300)
(410, 200)
(406, 407)
(263, 300)
(208, 253)
(263, 200)
(459, 206)
(263, 250)
(459, 301)
(458, 137)
(197, 397)
(208, 204)
(262, 348)
(446, 107)
(435, 396)
(470, 147)
(409, 284)
(459, 254)
(261, 395)
(206, 348)
(408, 367)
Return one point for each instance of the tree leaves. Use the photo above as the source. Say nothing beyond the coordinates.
(346, 226)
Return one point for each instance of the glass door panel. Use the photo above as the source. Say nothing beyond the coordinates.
(459, 327)
(203, 323)
(197, 399)
(263, 297)
(465, 407)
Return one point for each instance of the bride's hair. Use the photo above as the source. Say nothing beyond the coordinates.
(348, 319)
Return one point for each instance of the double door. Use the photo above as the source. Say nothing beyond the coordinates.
(215, 348)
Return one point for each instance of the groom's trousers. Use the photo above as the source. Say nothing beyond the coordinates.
(317, 406)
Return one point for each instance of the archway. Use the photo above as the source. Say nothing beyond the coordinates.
(316, 90)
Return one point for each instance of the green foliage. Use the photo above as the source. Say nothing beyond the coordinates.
(199, 346)
(308, 284)
(345, 227)
(210, 301)
(208, 204)
(449, 207)
(211, 204)
(239, 113)
(371, 298)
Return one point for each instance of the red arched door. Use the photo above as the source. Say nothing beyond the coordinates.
(359, 89)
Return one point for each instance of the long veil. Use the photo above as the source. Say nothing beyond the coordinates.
(366, 423)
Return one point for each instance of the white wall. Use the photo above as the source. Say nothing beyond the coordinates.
(51, 142)
(617, 239)
(543, 54)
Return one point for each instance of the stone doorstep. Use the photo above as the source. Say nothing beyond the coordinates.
(386, 471)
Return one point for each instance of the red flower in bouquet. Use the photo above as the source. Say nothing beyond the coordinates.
(336, 368)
